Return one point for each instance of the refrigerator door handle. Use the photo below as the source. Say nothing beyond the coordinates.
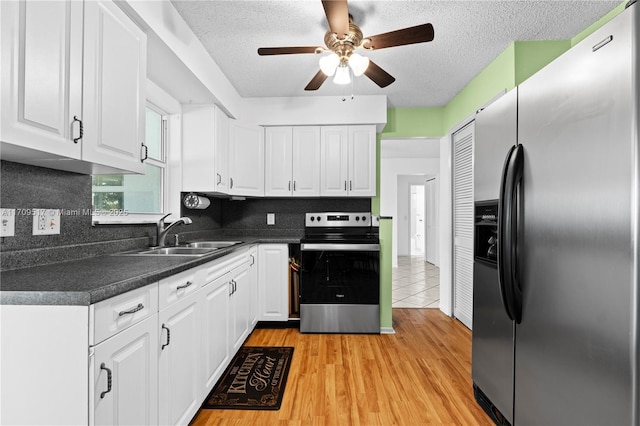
(508, 233)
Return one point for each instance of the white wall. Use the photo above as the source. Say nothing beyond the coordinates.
(390, 171)
(316, 110)
(446, 243)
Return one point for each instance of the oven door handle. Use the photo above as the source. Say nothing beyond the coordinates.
(338, 247)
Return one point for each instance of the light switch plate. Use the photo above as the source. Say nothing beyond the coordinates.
(7, 222)
(46, 221)
(271, 218)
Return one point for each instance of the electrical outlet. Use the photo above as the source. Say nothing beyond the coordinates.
(7, 222)
(271, 218)
(46, 221)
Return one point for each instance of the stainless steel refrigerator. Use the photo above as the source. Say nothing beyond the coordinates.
(555, 325)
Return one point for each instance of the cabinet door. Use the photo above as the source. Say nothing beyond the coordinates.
(240, 305)
(306, 161)
(278, 161)
(333, 161)
(253, 286)
(42, 76)
(215, 331)
(205, 149)
(246, 160)
(115, 51)
(125, 380)
(221, 151)
(362, 161)
(180, 381)
(273, 282)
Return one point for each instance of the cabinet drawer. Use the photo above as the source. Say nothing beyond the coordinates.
(120, 312)
(179, 286)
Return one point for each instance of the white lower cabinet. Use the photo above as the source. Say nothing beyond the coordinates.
(215, 330)
(239, 298)
(179, 373)
(125, 376)
(273, 291)
(154, 353)
(253, 286)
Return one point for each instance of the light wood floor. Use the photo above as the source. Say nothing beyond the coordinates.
(419, 376)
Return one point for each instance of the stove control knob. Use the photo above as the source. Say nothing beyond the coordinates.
(312, 218)
(319, 218)
(357, 218)
(364, 218)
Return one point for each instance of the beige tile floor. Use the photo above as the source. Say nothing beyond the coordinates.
(415, 283)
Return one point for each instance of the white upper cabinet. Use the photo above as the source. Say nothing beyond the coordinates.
(348, 161)
(205, 149)
(306, 161)
(292, 161)
(115, 72)
(278, 161)
(41, 76)
(333, 158)
(52, 108)
(246, 160)
(362, 161)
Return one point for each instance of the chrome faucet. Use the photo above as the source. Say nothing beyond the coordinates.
(162, 231)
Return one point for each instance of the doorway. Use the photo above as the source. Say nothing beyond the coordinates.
(417, 225)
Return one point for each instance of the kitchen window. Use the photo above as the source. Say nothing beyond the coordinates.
(125, 194)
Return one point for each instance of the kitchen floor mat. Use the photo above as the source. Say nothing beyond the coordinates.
(255, 379)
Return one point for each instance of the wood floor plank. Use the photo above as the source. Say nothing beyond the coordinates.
(419, 376)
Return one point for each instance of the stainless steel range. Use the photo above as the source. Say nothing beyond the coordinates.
(340, 274)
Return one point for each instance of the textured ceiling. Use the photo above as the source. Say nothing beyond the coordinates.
(468, 36)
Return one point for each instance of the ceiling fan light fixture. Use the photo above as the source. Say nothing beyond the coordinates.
(358, 64)
(329, 63)
(342, 74)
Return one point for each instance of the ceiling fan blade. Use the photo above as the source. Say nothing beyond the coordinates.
(262, 51)
(316, 81)
(418, 34)
(337, 13)
(378, 75)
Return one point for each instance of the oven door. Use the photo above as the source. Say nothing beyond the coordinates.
(340, 273)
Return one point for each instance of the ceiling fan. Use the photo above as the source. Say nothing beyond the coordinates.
(343, 39)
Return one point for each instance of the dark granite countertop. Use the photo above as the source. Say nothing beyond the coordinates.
(91, 280)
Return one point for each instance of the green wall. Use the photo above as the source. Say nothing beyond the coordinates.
(386, 241)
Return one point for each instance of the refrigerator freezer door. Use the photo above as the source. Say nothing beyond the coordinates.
(575, 349)
(496, 130)
(492, 341)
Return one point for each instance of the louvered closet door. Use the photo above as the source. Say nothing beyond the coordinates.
(463, 224)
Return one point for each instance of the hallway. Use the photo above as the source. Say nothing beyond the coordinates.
(415, 283)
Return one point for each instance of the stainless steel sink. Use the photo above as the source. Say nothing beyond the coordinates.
(213, 244)
(176, 251)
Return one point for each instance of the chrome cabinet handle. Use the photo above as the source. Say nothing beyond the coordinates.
(230, 288)
(289, 185)
(230, 183)
(350, 185)
(104, 367)
(75, 118)
(146, 152)
(219, 178)
(187, 284)
(294, 185)
(132, 310)
(345, 185)
(164, 345)
(253, 260)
